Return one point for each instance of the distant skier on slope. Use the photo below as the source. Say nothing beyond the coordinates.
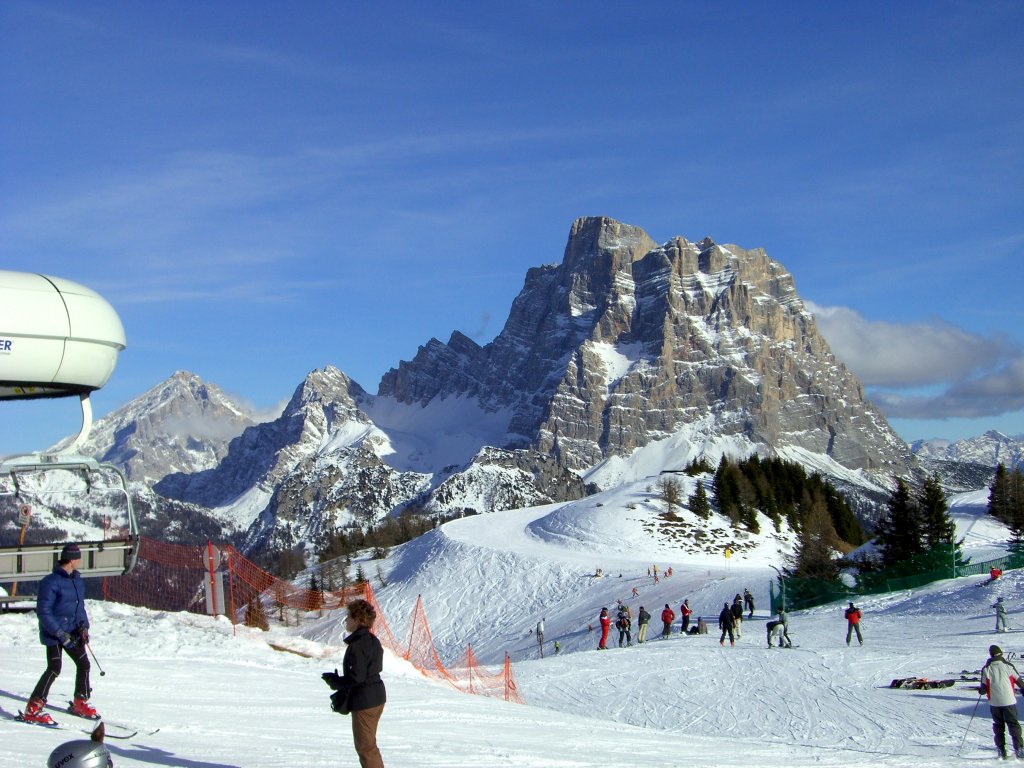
(643, 619)
(1001, 624)
(784, 618)
(667, 617)
(853, 616)
(606, 624)
(726, 624)
(624, 623)
(737, 615)
(748, 602)
(1000, 681)
(540, 637)
(685, 611)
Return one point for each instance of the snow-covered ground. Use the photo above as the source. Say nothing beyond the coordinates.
(223, 700)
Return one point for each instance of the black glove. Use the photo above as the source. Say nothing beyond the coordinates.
(83, 634)
(66, 640)
(333, 679)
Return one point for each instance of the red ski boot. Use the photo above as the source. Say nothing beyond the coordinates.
(34, 713)
(81, 708)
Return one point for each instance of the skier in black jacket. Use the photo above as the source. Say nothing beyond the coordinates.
(364, 660)
(725, 623)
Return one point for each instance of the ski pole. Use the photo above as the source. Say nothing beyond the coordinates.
(969, 724)
(102, 673)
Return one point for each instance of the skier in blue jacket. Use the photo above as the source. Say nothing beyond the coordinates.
(63, 628)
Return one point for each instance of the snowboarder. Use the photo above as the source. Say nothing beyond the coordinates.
(63, 628)
(853, 624)
(558, 648)
(540, 637)
(1000, 680)
(667, 617)
(993, 574)
(726, 624)
(737, 615)
(748, 601)
(624, 623)
(606, 624)
(1001, 623)
(685, 611)
(643, 619)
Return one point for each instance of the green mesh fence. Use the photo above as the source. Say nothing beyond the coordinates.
(797, 594)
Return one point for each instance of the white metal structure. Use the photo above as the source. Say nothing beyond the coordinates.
(59, 339)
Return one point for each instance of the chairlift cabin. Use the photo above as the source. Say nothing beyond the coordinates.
(61, 339)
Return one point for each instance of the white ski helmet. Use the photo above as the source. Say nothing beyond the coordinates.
(81, 753)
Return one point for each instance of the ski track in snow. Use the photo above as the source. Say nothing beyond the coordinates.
(224, 701)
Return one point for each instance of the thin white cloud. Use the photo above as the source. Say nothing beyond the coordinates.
(975, 375)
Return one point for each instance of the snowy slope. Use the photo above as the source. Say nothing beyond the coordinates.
(224, 701)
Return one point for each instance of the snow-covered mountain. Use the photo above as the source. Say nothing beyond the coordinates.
(182, 424)
(624, 351)
(989, 449)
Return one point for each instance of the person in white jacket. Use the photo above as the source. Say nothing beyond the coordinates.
(1000, 681)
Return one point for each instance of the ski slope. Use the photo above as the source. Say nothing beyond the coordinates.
(223, 700)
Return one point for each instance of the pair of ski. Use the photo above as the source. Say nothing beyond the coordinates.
(129, 732)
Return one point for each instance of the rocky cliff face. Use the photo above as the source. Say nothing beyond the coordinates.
(625, 342)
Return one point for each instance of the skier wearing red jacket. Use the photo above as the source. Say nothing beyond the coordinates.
(667, 617)
(606, 624)
(685, 611)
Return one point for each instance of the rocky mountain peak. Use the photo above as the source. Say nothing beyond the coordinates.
(183, 424)
(625, 342)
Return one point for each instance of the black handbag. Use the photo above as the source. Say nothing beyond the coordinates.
(340, 701)
(342, 692)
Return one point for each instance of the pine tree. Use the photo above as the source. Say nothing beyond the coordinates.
(814, 556)
(999, 501)
(1015, 508)
(938, 527)
(899, 532)
(698, 502)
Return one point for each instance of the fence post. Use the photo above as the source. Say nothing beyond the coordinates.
(469, 665)
(412, 628)
(213, 588)
(508, 677)
(231, 588)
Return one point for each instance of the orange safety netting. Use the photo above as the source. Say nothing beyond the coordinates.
(175, 577)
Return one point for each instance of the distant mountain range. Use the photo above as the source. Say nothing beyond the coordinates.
(624, 351)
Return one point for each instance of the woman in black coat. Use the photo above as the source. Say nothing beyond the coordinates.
(364, 660)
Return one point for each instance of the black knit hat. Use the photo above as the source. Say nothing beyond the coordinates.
(70, 552)
(995, 650)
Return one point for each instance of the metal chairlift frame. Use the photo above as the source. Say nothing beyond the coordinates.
(110, 557)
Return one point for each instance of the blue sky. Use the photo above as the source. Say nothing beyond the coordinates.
(261, 189)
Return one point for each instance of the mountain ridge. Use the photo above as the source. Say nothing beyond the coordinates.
(624, 348)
